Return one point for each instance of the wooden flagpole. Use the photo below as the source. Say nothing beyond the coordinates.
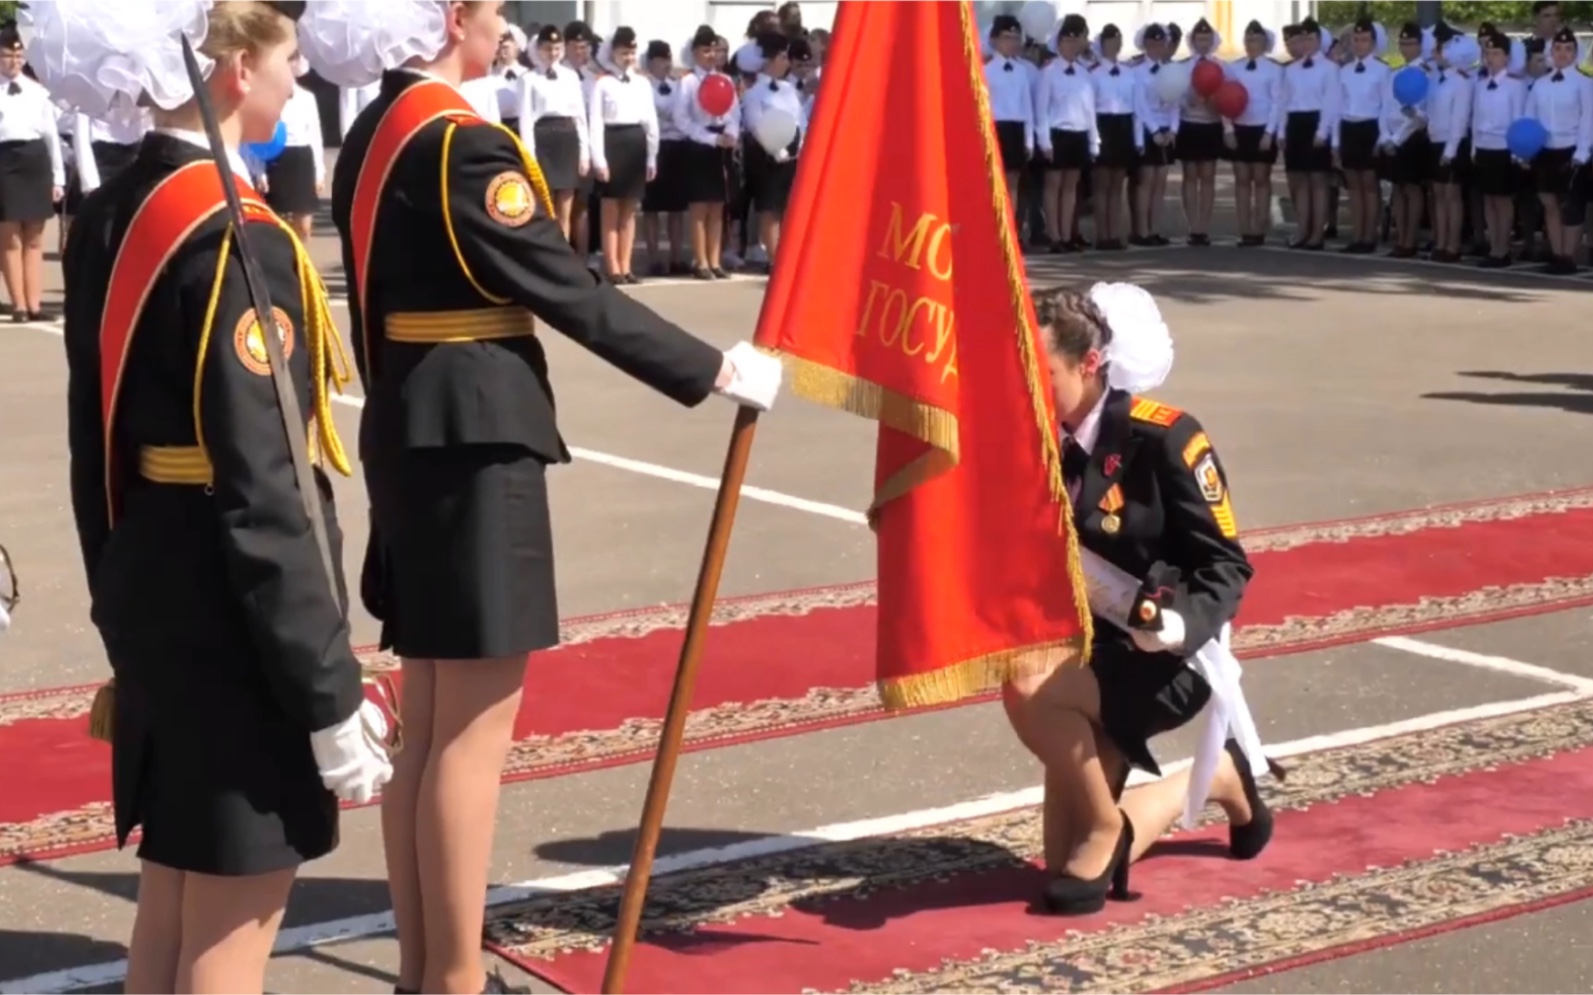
(669, 744)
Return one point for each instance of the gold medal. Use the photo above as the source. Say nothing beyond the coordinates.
(1110, 524)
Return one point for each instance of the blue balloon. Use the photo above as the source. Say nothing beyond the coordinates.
(1526, 137)
(267, 151)
(1410, 86)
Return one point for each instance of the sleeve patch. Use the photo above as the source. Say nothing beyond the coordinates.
(249, 343)
(1222, 512)
(509, 199)
(1154, 412)
(1210, 480)
(1197, 445)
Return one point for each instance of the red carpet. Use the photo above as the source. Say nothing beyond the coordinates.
(1428, 833)
(783, 663)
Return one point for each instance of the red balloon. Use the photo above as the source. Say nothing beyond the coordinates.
(1231, 99)
(1207, 77)
(717, 94)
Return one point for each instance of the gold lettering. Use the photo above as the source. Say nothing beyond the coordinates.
(945, 326)
(908, 248)
(923, 303)
(950, 369)
(890, 331)
(875, 288)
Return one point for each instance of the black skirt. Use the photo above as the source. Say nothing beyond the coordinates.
(769, 182)
(1358, 144)
(27, 181)
(1494, 173)
(558, 144)
(467, 561)
(1551, 171)
(1200, 141)
(290, 182)
(1069, 149)
(1247, 145)
(1010, 137)
(666, 194)
(1142, 694)
(1412, 161)
(1117, 141)
(1458, 169)
(706, 170)
(1157, 155)
(625, 149)
(1301, 154)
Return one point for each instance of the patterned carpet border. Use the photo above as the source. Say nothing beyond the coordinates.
(542, 928)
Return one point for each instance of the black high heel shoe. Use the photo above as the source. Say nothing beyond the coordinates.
(1067, 895)
(1247, 841)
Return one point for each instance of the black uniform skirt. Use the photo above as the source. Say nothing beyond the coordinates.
(1142, 694)
(468, 562)
(1358, 144)
(1157, 155)
(558, 152)
(1247, 141)
(27, 181)
(1459, 168)
(1494, 173)
(667, 193)
(1412, 162)
(1551, 171)
(1301, 154)
(1069, 149)
(1117, 141)
(625, 149)
(290, 181)
(1010, 137)
(1200, 141)
(706, 173)
(769, 182)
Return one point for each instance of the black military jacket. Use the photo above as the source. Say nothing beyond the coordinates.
(1155, 491)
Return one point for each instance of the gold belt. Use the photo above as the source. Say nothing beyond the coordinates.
(190, 465)
(433, 327)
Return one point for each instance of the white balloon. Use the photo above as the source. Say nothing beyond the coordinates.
(775, 130)
(1171, 82)
(1037, 18)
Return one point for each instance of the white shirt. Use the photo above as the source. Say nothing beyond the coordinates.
(1449, 108)
(769, 94)
(353, 100)
(1155, 114)
(696, 123)
(553, 92)
(1011, 98)
(1087, 435)
(1114, 85)
(665, 93)
(1496, 102)
(301, 118)
(86, 131)
(1066, 102)
(1563, 101)
(482, 92)
(29, 115)
(1363, 84)
(235, 158)
(1398, 122)
(1263, 82)
(1312, 85)
(508, 80)
(621, 100)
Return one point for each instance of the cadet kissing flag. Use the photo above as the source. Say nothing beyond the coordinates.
(899, 295)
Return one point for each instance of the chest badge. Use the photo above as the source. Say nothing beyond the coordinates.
(1112, 503)
(1113, 461)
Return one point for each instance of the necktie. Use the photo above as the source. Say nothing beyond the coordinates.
(1156, 68)
(552, 74)
(664, 89)
(774, 84)
(625, 79)
(1360, 67)
(1492, 85)
(14, 89)
(511, 74)
(1115, 71)
(1441, 76)
(1074, 461)
(1069, 71)
(1250, 66)
(1558, 76)
(1006, 67)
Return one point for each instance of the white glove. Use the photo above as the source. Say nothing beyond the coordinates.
(782, 156)
(1169, 640)
(351, 755)
(5, 618)
(754, 377)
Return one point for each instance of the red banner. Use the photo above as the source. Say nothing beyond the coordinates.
(899, 295)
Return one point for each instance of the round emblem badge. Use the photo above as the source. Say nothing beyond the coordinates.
(248, 343)
(509, 200)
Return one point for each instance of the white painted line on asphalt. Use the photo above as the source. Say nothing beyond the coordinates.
(355, 927)
(1503, 665)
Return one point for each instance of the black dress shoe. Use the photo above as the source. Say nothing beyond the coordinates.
(497, 986)
(703, 273)
(719, 273)
(1067, 895)
(1247, 841)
